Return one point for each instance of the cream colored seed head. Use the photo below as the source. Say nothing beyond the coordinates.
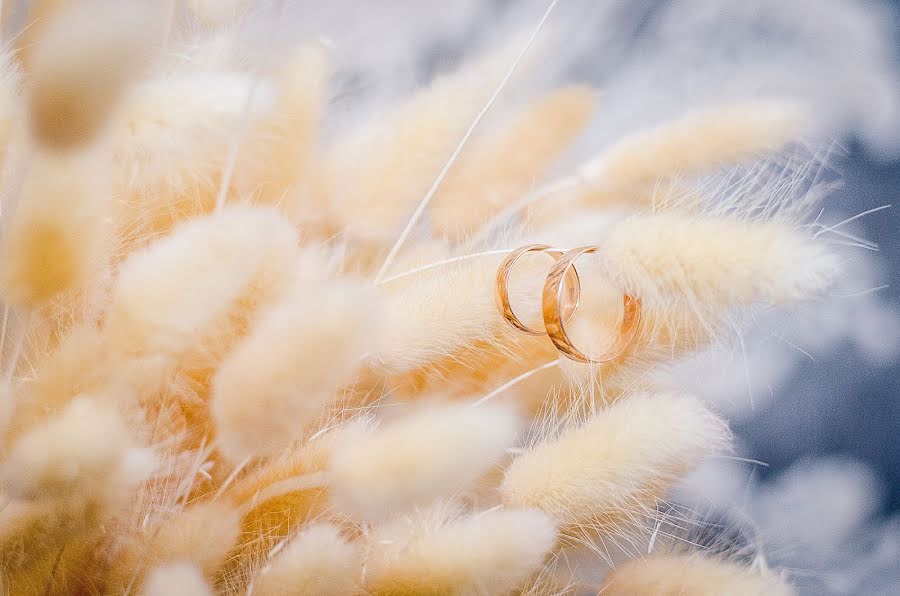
(80, 67)
(487, 553)
(505, 165)
(385, 168)
(57, 236)
(431, 453)
(282, 377)
(181, 287)
(691, 574)
(698, 141)
(715, 263)
(317, 561)
(76, 452)
(622, 459)
(202, 535)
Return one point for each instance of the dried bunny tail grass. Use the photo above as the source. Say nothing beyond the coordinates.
(714, 263)
(84, 451)
(394, 160)
(80, 67)
(179, 288)
(431, 453)
(606, 471)
(691, 574)
(430, 315)
(488, 553)
(487, 369)
(80, 364)
(290, 131)
(58, 235)
(203, 535)
(433, 314)
(280, 379)
(317, 561)
(173, 136)
(696, 142)
(505, 165)
(176, 579)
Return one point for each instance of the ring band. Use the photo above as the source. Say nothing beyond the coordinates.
(572, 289)
(551, 300)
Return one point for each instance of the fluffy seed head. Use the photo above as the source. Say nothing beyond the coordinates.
(174, 130)
(504, 166)
(281, 378)
(718, 262)
(395, 160)
(57, 233)
(431, 453)
(317, 561)
(694, 574)
(77, 451)
(173, 136)
(202, 535)
(80, 68)
(436, 313)
(176, 290)
(695, 142)
(79, 365)
(289, 132)
(488, 553)
(621, 459)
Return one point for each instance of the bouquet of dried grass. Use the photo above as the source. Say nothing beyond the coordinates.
(245, 354)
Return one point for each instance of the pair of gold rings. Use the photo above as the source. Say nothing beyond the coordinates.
(559, 301)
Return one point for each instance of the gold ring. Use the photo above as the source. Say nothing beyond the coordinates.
(572, 288)
(551, 304)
